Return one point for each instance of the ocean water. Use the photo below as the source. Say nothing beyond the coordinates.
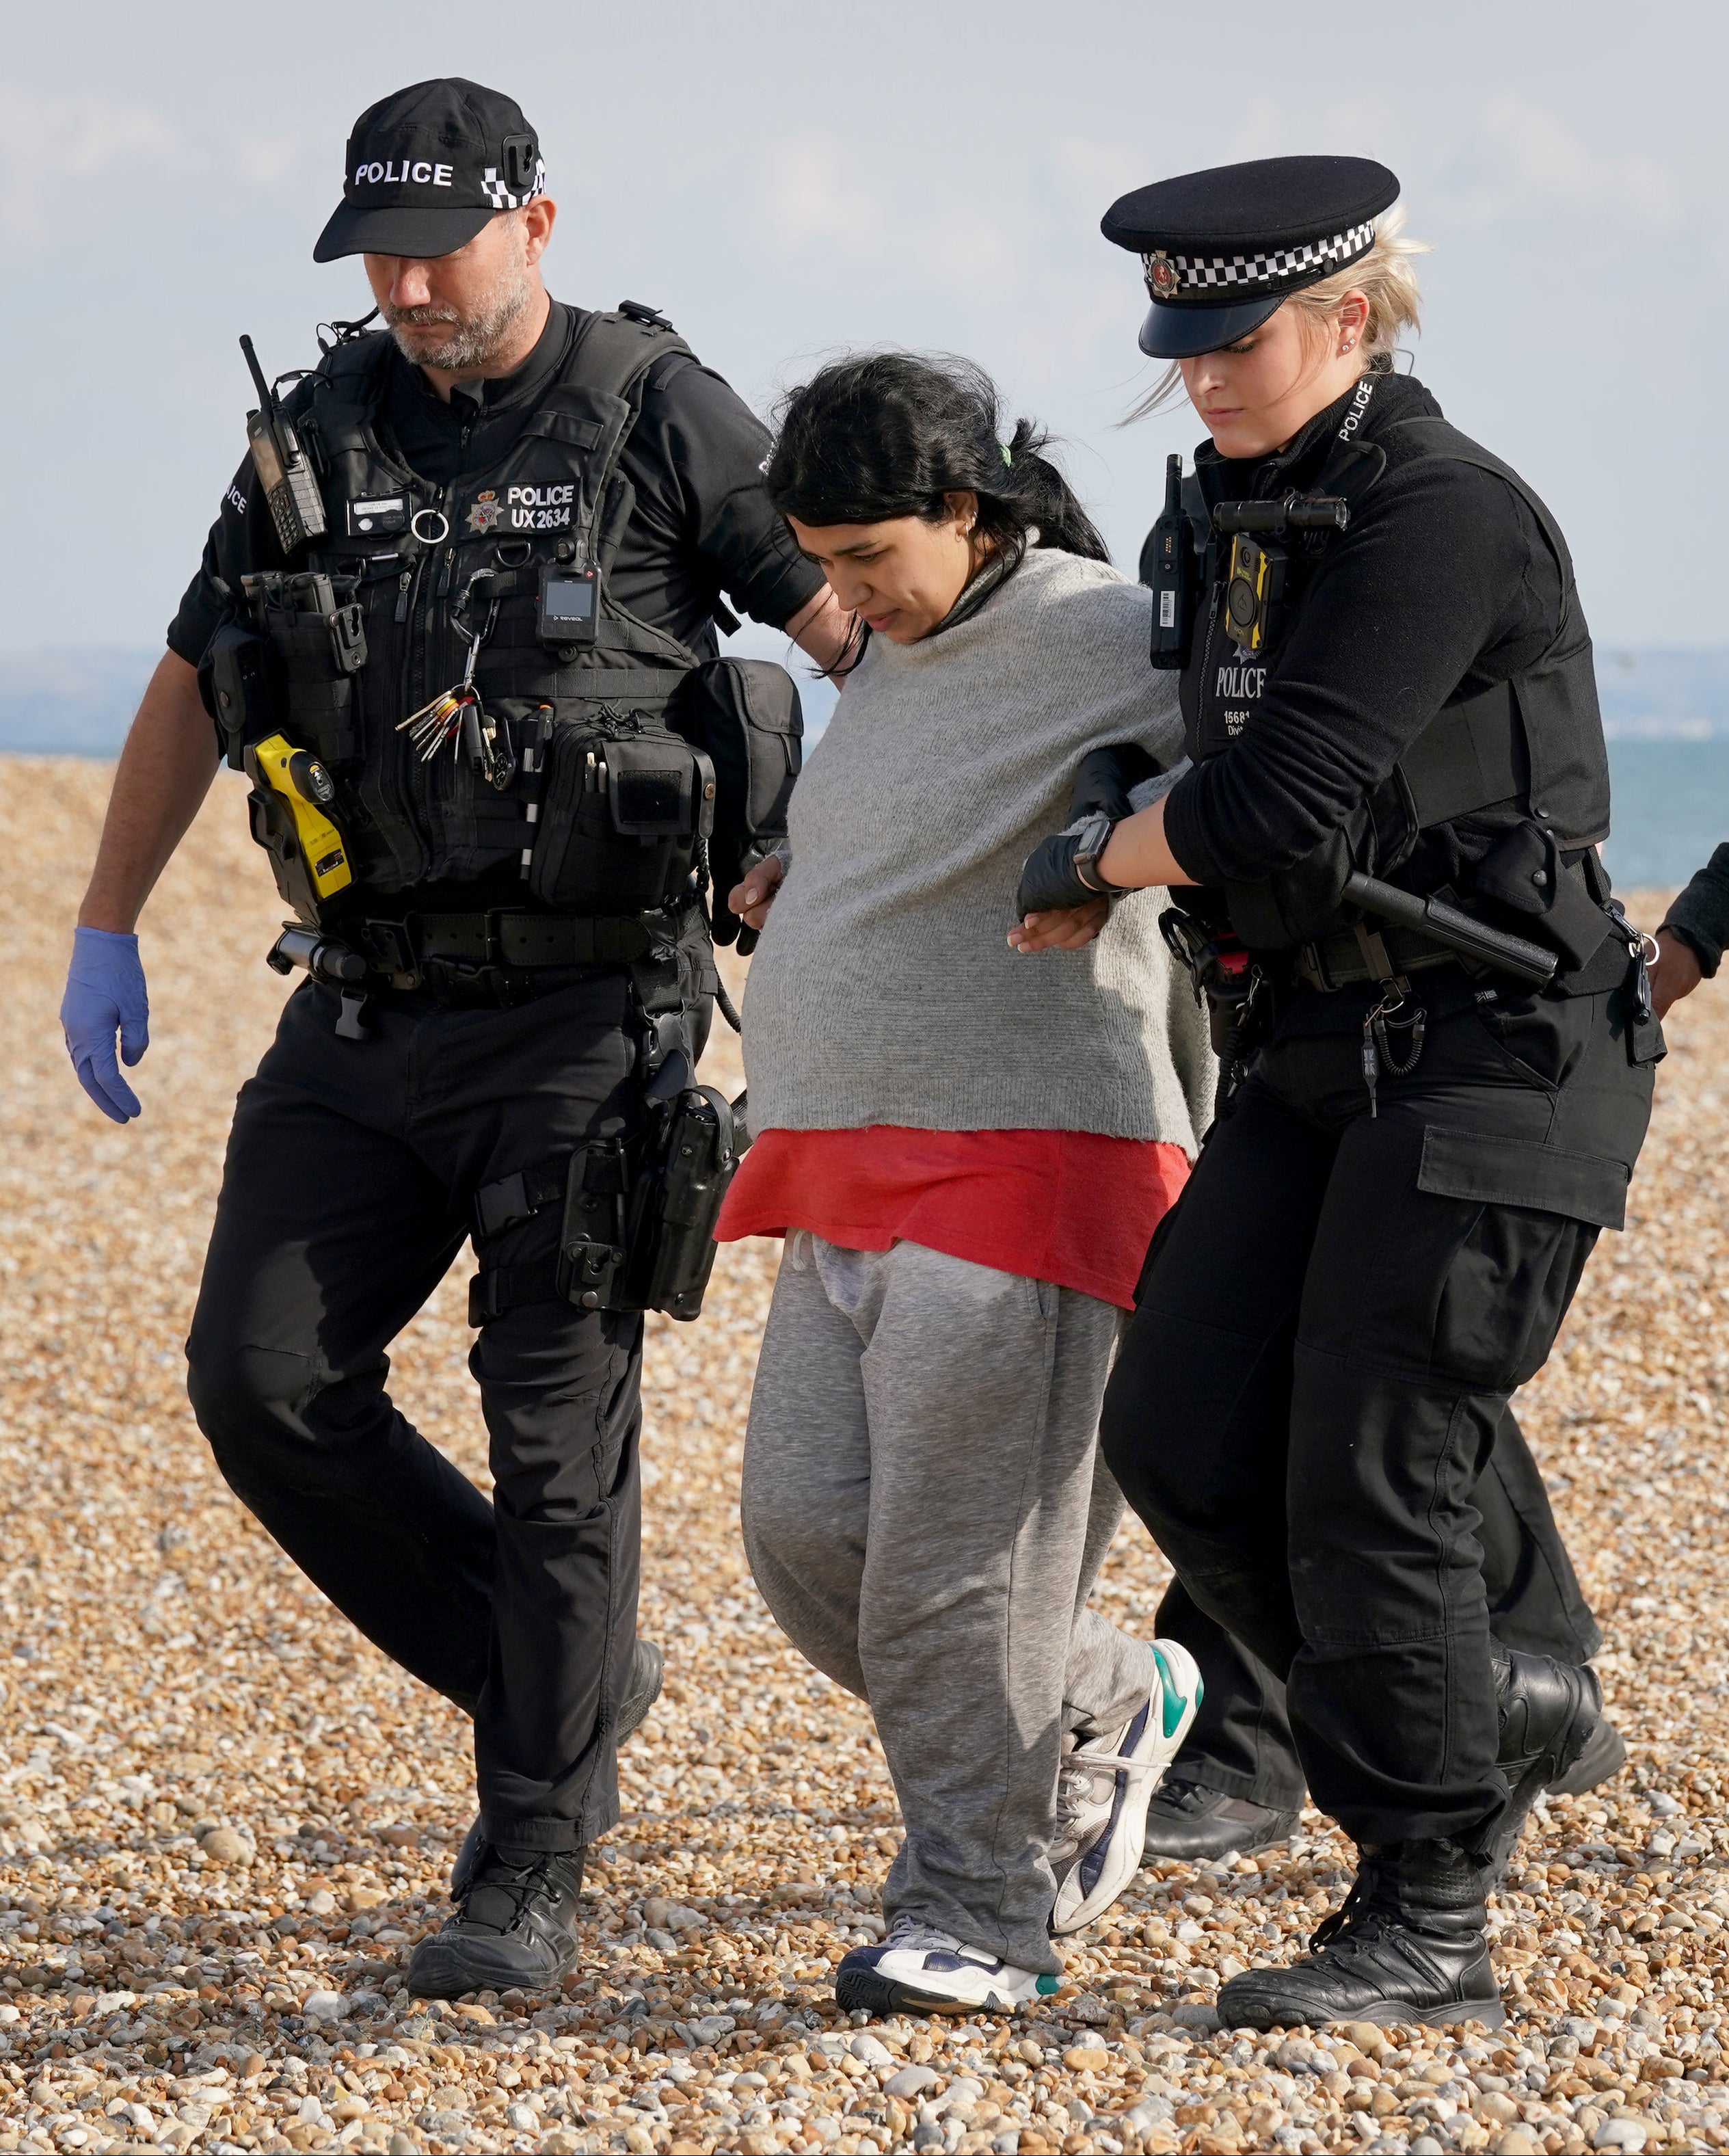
(1670, 807)
(1666, 713)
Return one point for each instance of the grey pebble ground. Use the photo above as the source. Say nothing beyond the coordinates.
(224, 1819)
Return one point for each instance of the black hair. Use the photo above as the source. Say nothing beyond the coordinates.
(889, 434)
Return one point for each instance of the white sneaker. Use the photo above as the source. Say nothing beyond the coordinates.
(917, 1970)
(1105, 1786)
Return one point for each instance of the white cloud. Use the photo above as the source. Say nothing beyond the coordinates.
(816, 199)
(47, 141)
(265, 160)
(1551, 160)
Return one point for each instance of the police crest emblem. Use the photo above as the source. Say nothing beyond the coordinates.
(1161, 276)
(486, 511)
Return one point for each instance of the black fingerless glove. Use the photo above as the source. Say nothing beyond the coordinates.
(1049, 880)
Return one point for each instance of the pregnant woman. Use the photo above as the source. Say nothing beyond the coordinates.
(967, 1156)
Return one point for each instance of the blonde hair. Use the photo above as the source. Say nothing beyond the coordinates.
(1387, 278)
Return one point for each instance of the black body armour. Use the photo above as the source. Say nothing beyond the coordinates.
(1525, 757)
(608, 740)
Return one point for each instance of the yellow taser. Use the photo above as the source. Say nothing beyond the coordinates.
(291, 790)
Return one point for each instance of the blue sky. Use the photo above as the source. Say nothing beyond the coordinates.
(786, 180)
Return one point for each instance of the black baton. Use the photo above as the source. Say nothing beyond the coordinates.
(1459, 931)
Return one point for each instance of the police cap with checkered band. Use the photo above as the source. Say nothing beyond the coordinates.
(428, 166)
(1222, 249)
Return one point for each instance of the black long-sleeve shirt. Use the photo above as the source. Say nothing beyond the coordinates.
(702, 522)
(1700, 917)
(1442, 584)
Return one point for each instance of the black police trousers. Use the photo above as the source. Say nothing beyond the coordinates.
(1332, 1320)
(1240, 1741)
(352, 1169)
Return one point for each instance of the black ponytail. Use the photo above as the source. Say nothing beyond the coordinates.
(889, 433)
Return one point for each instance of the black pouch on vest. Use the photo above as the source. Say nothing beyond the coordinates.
(746, 713)
(1524, 872)
(318, 667)
(624, 816)
(240, 683)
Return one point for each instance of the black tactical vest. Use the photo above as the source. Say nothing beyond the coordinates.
(1530, 748)
(419, 561)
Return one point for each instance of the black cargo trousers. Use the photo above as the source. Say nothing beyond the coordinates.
(346, 1195)
(1332, 1321)
(1241, 1741)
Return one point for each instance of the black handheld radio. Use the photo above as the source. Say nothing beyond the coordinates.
(1169, 566)
(296, 506)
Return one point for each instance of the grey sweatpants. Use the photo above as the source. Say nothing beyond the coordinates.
(925, 1509)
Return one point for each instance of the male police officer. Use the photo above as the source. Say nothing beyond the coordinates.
(514, 518)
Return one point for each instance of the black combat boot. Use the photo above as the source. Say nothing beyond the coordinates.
(1410, 1944)
(1550, 1714)
(647, 1671)
(1188, 1823)
(516, 1923)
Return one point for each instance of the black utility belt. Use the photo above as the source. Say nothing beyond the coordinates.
(1351, 958)
(405, 950)
(1354, 956)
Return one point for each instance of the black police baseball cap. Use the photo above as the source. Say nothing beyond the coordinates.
(1224, 248)
(428, 166)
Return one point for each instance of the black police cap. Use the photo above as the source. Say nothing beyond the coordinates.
(1224, 248)
(428, 166)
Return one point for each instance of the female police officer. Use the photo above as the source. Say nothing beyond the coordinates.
(1388, 676)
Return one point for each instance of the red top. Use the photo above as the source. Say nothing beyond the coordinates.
(1066, 1206)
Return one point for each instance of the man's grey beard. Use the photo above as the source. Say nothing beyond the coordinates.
(471, 344)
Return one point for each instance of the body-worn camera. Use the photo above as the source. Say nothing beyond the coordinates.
(296, 506)
(1255, 582)
(568, 609)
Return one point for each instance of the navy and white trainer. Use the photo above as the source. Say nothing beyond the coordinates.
(1105, 1786)
(919, 1970)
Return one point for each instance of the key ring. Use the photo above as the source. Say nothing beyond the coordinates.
(430, 538)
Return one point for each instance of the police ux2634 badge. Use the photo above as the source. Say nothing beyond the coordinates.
(523, 509)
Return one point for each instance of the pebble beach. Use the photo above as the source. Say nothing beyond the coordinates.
(225, 1818)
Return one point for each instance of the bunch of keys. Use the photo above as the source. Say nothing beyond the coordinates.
(446, 715)
(458, 713)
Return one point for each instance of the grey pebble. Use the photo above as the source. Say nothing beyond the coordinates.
(911, 2082)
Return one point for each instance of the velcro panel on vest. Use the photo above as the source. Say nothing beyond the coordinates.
(1469, 757)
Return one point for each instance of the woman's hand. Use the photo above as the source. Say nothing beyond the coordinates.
(1071, 929)
(751, 899)
(1676, 973)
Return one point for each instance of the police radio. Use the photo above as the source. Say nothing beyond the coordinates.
(1168, 565)
(1255, 583)
(296, 506)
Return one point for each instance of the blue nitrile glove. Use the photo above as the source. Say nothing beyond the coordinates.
(105, 993)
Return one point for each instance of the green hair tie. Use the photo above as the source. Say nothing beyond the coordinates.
(1007, 458)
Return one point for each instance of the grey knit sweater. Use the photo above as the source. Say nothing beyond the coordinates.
(883, 990)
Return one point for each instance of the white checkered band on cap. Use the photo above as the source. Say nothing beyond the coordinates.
(1177, 278)
(500, 196)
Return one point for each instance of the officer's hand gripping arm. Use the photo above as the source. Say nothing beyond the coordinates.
(751, 899)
